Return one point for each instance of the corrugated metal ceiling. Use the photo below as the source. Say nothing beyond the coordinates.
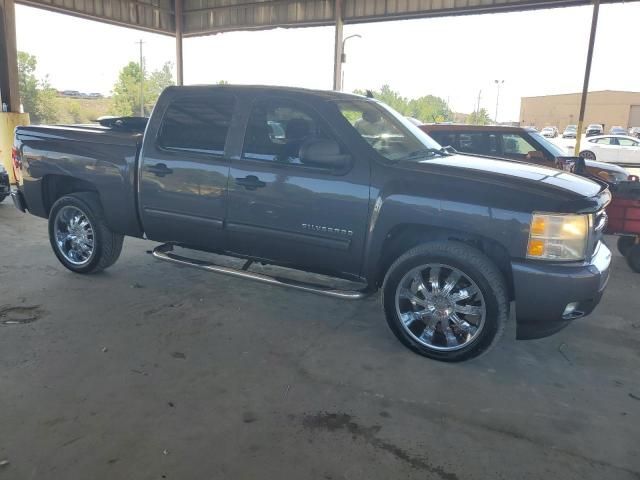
(203, 17)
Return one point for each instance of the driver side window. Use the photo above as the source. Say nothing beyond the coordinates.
(516, 145)
(277, 130)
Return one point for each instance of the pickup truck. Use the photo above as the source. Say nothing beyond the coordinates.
(333, 184)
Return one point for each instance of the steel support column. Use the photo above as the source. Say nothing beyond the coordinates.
(179, 20)
(587, 74)
(8, 57)
(337, 60)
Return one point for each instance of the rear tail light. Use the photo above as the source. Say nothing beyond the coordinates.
(17, 163)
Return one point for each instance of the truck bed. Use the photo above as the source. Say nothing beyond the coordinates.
(101, 158)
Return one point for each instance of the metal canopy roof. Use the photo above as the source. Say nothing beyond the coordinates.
(202, 17)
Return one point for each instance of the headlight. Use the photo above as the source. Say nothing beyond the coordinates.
(558, 237)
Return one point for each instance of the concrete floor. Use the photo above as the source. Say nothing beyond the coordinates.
(152, 371)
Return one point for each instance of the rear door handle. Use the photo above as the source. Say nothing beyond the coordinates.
(159, 169)
(251, 182)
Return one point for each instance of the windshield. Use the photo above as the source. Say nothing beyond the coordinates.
(551, 147)
(571, 127)
(389, 133)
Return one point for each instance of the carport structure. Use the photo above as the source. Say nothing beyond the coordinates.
(190, 18)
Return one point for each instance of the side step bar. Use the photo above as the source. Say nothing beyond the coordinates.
(165, 252)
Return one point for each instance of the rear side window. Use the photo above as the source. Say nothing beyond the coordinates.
(472, 143)
(627, 142)
(197, 123)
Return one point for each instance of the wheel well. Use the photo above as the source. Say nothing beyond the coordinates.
(405, 237)
(57, 186)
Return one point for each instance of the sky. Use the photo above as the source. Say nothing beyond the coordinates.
(535, 53)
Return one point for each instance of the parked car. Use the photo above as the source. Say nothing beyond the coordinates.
(594, 129)
(4, 183)
(617, 131)
(516, 143)
(549, 132)
(354, 190)
(612, 149)
(570, 131)
(634, 132)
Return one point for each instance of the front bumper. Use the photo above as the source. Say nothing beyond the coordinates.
(543, 291)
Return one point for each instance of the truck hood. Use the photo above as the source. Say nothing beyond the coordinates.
(578, 193)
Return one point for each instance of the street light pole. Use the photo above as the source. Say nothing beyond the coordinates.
(499, 83)
(141, 80)
(343, 58)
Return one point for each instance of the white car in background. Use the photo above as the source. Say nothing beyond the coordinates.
(612, 149)
(549, 132)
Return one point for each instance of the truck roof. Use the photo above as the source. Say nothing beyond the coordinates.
(323, 94)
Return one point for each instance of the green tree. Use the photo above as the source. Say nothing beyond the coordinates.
(480, 117)
(428, 108)
(37, 97)
(126, 91)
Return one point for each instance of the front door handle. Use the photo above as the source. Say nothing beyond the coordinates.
(159, 169)
(251, 182)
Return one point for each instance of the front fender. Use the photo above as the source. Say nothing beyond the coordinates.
(441, 219)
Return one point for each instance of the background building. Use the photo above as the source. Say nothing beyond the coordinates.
(607, 107)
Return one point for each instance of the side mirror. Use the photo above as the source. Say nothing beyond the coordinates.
(535, 156)
(323, 154)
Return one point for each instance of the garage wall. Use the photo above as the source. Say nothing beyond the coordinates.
(606, 107)
(634, 116)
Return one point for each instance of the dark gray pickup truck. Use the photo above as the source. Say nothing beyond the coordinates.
(331, 184)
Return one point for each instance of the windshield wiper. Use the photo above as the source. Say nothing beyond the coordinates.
(426, 152)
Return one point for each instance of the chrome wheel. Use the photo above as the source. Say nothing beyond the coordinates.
(74, 235)
(440, 307)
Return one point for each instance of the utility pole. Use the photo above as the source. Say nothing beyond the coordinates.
(478, 107)
(587, 74)
(140, 42)
(499, 83)
(337, 55)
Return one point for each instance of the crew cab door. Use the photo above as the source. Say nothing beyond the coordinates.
(628, 151)
(289, 212)
(184, 170)
(605, 148)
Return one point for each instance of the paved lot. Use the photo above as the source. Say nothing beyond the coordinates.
(151, 371)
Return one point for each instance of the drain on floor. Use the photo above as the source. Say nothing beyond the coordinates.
(19, 315)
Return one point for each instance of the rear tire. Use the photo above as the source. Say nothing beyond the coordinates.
(463, 311)
(588, 155)
(625, 243)
(79, 234)
(633, 258)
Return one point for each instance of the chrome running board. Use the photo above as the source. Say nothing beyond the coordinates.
(165, 252)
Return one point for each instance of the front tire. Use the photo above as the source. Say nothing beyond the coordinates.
(633, 258)
(79, 235)
(625, 243)
(446, 301)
